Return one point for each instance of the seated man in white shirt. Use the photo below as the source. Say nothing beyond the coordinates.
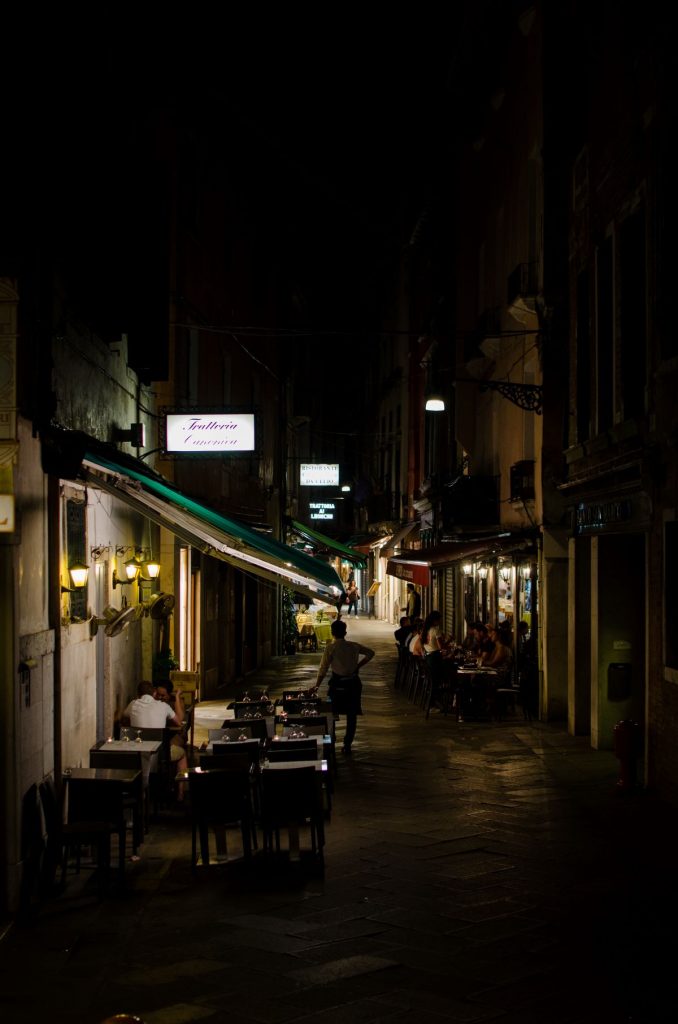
(148, 712)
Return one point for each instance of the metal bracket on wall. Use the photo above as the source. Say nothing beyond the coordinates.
(527, 396)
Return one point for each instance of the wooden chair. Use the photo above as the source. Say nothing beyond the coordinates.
(257, 726)
(292, 799)
(219, 799)
(95, 814)
(293, 750)
(52, 810)
(227, 734)
(161, 777)
(310, 727)
(251, 749)
(135, 799)
(401, 666)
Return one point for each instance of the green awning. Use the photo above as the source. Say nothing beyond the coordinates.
(328, 542)
(209, 531)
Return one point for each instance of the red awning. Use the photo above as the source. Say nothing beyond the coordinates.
(411, 572)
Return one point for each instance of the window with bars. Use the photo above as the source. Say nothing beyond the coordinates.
(76, 545)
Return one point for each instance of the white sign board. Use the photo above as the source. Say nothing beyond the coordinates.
(319, 474)
(322, 509)
(210, 432)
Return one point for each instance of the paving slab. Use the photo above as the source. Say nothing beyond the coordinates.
(476, 871)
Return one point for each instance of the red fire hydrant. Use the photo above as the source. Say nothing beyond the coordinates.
(626, 742)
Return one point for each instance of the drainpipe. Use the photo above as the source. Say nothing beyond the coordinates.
(54, 607)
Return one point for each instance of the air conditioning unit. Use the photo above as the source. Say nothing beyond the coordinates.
(522, 480)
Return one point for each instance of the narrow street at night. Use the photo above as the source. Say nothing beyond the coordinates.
(477, 871)
(307, 331)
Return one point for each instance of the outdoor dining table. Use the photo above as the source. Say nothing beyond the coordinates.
(474, 685)
(147, 749)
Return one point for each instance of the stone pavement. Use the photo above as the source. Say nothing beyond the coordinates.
(473, 872)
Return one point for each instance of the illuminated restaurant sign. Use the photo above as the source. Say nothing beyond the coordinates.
(322, 509)
(319, 474)
(210, 432)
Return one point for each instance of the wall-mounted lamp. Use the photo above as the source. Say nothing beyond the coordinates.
(152, 569)
(505, 573)
(435, 402)
(135, 435)
(132, 568)
(467, 568)
(78, 573)
(526, 571)
(482, 572)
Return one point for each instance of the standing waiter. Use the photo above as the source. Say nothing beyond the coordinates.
(345, 659)
(413, 603)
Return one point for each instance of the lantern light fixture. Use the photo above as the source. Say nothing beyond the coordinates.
(78, 572)
(505, 573)
(152, 569)
(526, 571)
(467, 569)
(482, 572)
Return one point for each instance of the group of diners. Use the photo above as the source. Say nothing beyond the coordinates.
(451, 670)
(156, 706)
(486, 646)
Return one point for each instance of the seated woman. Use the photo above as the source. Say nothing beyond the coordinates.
(414, 643)
(434, 642)
(500, 657)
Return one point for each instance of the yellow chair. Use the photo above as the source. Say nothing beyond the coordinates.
(323, 633)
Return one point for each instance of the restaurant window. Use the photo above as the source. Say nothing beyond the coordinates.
(670, 595)
(604, 335)
(76, 544)
(633, 313)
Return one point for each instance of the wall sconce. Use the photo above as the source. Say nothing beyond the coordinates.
(78, 573)
(435, 402)
(482, 572)
(152, 569)
(505, 573)
(467, 568)
(526, 571)
(132, 568)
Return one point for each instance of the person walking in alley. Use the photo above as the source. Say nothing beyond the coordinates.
(353, 597)
(345, 659)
